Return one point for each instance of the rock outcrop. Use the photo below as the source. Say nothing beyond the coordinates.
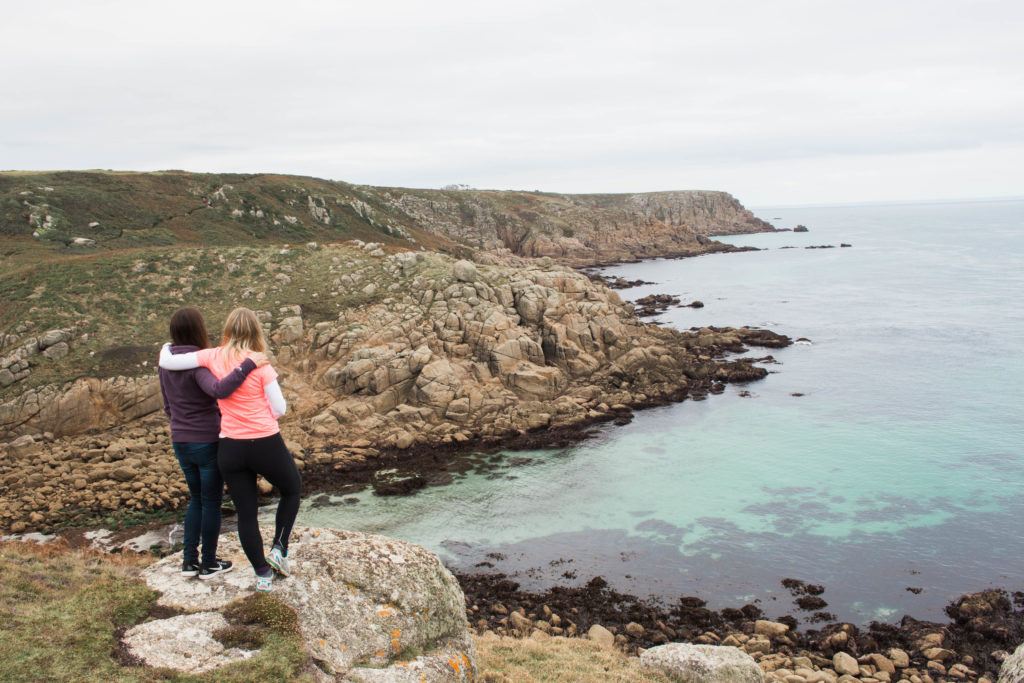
(442, 352)
(1012, 670)
(689, 663)
(369, 608)
(580, 229)
(82, 405)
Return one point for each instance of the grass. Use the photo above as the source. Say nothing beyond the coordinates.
(513, 660)
(118, 303)
(62, 611)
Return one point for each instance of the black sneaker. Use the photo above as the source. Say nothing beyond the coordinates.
(189, 569)
(219, 567)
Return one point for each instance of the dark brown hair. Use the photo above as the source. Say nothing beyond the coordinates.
(188, 328)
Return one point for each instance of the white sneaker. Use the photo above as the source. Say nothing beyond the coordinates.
(279, 562)
(265, 584)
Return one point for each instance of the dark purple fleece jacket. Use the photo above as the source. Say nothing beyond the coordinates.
(190, 399)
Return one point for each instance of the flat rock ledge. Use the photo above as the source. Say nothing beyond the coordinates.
(370, 608)
(688, 663)
(184, 643)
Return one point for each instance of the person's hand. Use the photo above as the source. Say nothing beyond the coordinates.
(260, 359)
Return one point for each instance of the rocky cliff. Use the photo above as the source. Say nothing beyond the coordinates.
(580, 229)
(102, 210)
(379, 354)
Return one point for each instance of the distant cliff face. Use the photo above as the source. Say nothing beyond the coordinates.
(579, 229)
(100, 210)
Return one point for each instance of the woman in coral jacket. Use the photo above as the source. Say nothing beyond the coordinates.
(190, 403)
(250, 440)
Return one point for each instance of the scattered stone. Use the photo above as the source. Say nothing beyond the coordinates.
(772, 629)
(845, 664)
(602, 636)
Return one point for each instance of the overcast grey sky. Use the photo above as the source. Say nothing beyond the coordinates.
(788, 101)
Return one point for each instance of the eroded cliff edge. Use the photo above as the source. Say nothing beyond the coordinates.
(119, 210)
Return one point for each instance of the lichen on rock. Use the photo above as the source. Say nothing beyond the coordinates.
(367, 606)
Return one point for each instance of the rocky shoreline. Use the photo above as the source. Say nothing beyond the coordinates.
(983, 629)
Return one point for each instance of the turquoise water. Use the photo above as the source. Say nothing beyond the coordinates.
(900, 466)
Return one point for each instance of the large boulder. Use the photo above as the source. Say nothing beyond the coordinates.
(688, 663)
(465, 271)
(370, 608)
(1012, 670)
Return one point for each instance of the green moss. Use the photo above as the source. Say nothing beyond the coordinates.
(261, 609)
(244, 637)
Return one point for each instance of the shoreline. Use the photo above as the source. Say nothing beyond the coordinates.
(983, 628)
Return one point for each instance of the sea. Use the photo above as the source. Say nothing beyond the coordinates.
(881, 458)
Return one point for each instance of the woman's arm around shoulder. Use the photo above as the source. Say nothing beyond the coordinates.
(178, 361)
(222, 388)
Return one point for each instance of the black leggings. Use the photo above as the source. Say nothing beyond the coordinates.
(240, 461)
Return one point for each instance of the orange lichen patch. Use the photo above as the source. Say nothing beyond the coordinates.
(380, 654)
(385, 612)
(395, 644)
(455, 664)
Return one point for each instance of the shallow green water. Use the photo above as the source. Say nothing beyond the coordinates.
(900, 466)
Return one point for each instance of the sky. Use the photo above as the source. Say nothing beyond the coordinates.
(781, 102)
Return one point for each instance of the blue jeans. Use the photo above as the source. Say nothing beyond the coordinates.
(206, 488)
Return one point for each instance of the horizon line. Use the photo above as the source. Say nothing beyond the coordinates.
(788, 205)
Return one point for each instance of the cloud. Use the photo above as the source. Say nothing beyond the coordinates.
(792, 101)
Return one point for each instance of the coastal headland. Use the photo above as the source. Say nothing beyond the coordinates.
(406, 325)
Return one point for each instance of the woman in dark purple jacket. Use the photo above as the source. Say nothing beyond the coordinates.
(190, 401)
